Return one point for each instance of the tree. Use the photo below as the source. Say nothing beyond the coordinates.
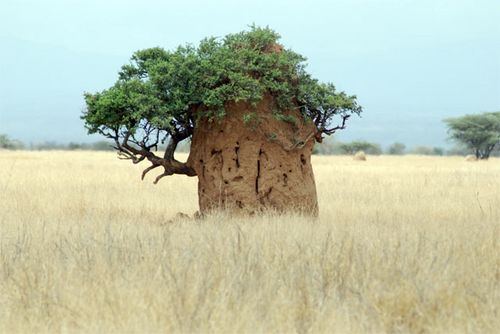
(397, 149)
(360, 145)
(4, 141)
(10, 144)
(251, 110)
(422, 150)
(328, 146)
(427, 150)
(437, 151)
(478, 132)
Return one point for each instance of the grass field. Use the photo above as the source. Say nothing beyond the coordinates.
(403, 244)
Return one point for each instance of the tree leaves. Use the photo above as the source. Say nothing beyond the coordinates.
(170, 90)
(480, 132)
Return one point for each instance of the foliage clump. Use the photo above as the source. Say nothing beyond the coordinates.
(162, 94)
(10, 144)
(360, 145)
(478, 132)
(396, 148)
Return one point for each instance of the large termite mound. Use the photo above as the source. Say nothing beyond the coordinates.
(254, 160)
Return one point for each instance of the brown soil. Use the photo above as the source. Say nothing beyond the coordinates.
(261, 165)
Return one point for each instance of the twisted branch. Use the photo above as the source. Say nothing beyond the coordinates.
(129, 148)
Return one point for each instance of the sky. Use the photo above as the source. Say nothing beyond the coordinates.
(411, 63)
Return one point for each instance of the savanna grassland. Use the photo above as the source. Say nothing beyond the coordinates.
(402, 244)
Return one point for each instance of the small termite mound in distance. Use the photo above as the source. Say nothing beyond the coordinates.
(359, 156)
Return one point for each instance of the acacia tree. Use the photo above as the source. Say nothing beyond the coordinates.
(247, 104)
(360, 145)
(10, 144)
(396, 149)
(478, 132)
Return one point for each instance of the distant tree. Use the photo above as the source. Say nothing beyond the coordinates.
(427, 150)
(4, 141)
(437, 151)
(10, 144)
(101, 145)
(75, 146)
(328, 146)
(397, 149)
(360, 145)
(478, 132)
(49, 146)
(423, 150)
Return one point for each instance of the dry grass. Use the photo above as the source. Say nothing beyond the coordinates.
(403, 244)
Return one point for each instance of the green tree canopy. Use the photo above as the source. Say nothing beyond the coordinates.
(396, 149)
(162, 94)
(10, 144)
(360, 145)
(479, 132)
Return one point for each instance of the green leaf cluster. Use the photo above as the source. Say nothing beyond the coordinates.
(168, 91)
(10, 144)
(396, 149)
(479, 132)
(360, 145)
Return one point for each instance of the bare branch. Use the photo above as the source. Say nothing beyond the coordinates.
(129, 147)
(150, 168)
(137, 160)
(160, 176)
(170, 149)
(338, 127)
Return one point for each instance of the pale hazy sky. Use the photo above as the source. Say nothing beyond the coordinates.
(410, 62)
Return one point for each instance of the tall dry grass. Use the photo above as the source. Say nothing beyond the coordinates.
(403, 244)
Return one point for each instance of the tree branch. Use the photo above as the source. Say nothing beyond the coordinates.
(171, 147)
(138, 151)
(150, 168)
(338, 127)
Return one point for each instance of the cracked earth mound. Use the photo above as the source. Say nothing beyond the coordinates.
(258, 165)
